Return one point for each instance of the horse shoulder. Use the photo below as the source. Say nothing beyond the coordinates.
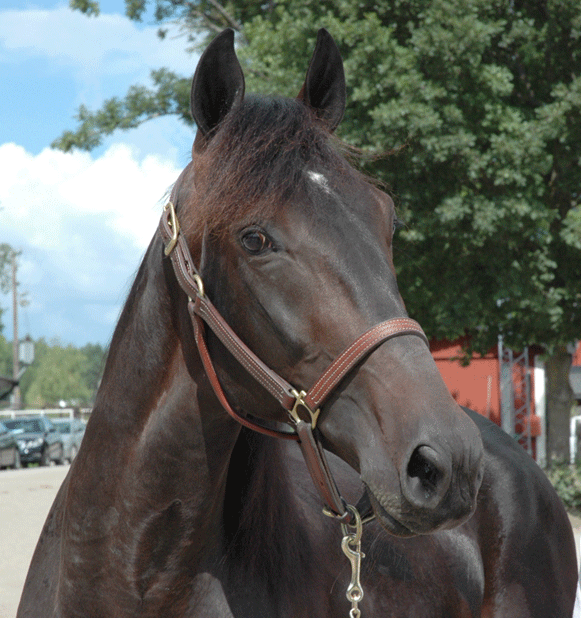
(523, 532)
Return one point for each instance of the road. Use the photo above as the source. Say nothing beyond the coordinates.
(25, 499)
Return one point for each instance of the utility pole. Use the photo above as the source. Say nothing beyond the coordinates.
(16, 401)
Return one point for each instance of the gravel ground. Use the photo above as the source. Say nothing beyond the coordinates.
(25, 499)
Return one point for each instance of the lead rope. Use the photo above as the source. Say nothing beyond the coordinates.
(351, 546)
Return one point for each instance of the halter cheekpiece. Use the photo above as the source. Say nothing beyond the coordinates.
(303, 407)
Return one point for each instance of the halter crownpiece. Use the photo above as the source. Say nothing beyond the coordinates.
(203, 313)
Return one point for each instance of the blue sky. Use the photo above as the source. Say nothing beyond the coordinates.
(82, 220)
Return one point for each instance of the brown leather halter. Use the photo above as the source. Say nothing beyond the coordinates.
(203, 312)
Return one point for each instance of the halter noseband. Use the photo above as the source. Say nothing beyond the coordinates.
(203, 312)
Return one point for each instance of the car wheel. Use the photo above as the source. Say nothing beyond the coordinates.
(45, 458)
(16, 463)
(60, 460)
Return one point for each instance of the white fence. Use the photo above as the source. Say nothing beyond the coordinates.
(82, 413)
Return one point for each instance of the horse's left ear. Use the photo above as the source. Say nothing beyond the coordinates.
(218, 83)
(324, 87)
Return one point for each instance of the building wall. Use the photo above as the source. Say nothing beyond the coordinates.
(476, 385)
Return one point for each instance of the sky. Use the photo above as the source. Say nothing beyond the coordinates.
(81, 220)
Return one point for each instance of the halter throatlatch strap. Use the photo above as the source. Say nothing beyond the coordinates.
(203, 312)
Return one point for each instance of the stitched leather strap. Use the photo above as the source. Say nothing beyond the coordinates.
(203, 312)
(277, 386)
(356, 352)
(311, 449)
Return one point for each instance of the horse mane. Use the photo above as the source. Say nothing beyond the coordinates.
(255, 163)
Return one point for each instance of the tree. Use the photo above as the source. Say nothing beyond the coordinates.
(62, 373)
(7, 254)
(92, 369)
(5, 357)
(481, 101)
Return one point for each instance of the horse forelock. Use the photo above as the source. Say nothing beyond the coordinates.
(256, 162)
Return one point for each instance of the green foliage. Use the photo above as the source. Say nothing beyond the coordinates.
(61, 373)
(169, 95)
(89, 7)
(481, 102)
(566, 480)
(92, 369)
(7, 254)
(5, 357)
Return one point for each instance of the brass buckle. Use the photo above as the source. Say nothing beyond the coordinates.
(175, 228)
(200, 284)
(300, 402)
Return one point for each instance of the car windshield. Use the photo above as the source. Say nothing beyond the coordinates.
(24, 425)
(63, 426)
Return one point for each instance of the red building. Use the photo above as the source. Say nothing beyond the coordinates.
(520, 412)
(477, 385)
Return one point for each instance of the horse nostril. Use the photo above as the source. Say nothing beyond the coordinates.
(424, 470)
(428, 477)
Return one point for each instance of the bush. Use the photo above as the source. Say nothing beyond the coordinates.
(566, 479)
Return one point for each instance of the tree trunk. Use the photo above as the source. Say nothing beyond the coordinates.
(559, 404)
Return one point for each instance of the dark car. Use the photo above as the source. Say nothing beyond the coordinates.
(38, 439)
(9, 453)
(72, 432)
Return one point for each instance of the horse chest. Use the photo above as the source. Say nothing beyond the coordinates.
(400, 578)
(440, 576)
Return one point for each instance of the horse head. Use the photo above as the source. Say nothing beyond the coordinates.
(294, 247)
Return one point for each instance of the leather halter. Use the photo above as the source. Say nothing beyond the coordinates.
(203, 312)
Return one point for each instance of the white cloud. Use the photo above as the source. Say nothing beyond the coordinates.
(39, 192)
(108, 44)
(81, 221)
(102, 55)
(82, 225)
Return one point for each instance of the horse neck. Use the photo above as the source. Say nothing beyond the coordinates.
(144, 345)
(185, 485)
(154, 386)
(155, 413)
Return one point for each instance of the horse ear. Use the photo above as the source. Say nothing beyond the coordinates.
(324, 87)
(218, 83)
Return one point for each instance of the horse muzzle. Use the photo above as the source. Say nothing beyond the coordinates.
(437, 489)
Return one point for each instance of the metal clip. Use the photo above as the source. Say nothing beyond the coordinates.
(351, 546)
(300, 402)
(175, 228)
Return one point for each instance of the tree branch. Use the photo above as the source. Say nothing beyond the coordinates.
(235, 24)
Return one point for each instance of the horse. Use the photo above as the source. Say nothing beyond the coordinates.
(264, 366)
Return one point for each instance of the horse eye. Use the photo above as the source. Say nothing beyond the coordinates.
(255, 242)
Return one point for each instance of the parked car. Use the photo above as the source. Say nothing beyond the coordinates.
(9, 453)
(38, 439)
(72, 432)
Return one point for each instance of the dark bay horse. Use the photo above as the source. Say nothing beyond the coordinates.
(175, 508)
